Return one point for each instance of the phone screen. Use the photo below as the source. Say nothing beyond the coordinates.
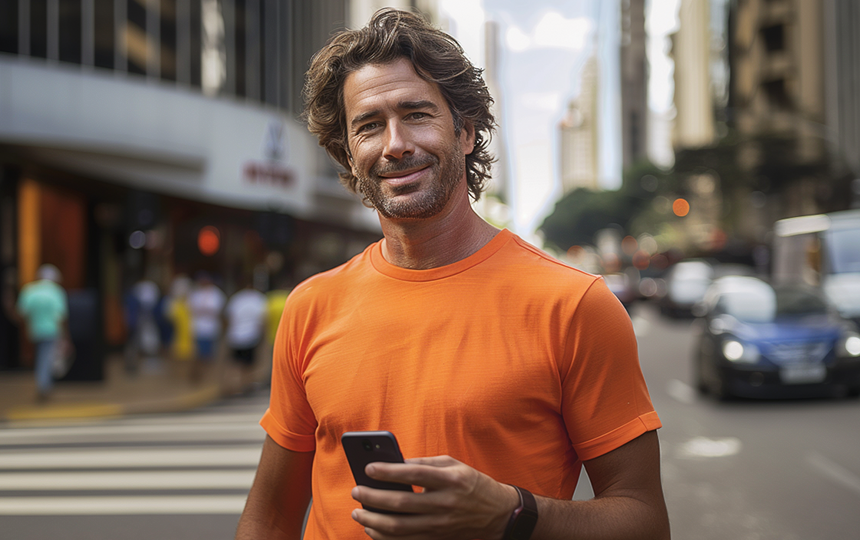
(363, 447)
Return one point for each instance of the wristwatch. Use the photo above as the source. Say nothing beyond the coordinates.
(524, 518)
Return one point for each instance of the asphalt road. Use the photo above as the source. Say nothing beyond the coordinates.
(743, 470)
(748, 470)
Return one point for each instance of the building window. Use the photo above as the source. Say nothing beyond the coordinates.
(777, 94)
(103, 34)
(774, 37)
(168, 35)
(39, 28)
(9, 27)
(136, 41)
(70, 31)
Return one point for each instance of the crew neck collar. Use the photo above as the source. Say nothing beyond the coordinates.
(407, 274)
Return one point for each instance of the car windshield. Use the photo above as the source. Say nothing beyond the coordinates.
(762, 304)
(845, 250)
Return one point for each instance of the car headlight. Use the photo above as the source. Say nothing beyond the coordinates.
(849, 345)
(735, 351)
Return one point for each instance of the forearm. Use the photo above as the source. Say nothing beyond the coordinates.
(279, 497)
(610, 518)
(264, 521)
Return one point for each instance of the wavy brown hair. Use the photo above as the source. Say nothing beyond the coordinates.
(437, 58)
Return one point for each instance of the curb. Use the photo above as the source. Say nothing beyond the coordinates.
(89, 410)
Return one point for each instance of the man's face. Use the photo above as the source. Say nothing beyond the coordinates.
(405, 153)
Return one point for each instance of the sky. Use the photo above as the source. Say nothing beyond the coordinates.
(546, 44)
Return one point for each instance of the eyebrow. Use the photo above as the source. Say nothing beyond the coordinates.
(408, 105)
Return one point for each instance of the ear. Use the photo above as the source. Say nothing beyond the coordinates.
(467, 137)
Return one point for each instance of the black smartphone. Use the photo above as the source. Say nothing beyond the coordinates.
(363, 447)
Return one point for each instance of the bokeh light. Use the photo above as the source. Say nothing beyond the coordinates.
(209, 240)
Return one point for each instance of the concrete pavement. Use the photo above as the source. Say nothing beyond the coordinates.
(162, 386)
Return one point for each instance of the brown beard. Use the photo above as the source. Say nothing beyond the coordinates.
(447, 172)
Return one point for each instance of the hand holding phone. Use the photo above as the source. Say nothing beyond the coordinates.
(363, 447)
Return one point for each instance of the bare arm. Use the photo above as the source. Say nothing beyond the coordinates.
(460, 502)
(280, 495)
(628, 498)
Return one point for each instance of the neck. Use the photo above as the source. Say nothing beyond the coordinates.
(453, 235)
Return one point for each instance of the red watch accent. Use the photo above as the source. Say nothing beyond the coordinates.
(524, 517)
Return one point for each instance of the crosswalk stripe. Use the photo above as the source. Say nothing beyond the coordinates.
(100, 458)
(96, 434)
(126, 480)
(199, 504)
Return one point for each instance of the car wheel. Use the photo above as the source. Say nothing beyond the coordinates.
(698, 371)
(720, 390)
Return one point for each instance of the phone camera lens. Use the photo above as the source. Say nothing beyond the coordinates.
(367, 445)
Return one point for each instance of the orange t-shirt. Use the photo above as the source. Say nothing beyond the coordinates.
(508, 361)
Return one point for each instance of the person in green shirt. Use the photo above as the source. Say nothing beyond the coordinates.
(44, 306)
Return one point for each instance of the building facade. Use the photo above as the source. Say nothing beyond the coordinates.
(151, 138)
(579, 135)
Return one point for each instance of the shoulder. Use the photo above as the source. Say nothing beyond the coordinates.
(529, 264)
(339, 278)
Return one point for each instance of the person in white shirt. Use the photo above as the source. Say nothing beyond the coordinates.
(246, 316)
(206, 303)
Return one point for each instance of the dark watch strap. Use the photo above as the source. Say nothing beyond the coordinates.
(524, 517)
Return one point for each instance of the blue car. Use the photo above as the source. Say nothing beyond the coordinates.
(755, 340)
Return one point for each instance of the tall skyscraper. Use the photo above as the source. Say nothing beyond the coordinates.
(634, 82)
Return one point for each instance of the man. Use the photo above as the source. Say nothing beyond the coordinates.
(494, 365)
(44, 306)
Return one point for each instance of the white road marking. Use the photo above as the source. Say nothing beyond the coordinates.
(90, 434)
(681, 391)
(126, 480)
(56, 506)
(703, 447)
(834, 471)
(114, 458)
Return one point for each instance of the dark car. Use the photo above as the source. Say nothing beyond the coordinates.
(756, 340)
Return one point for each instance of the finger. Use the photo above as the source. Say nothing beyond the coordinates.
(386, 526)
(426, 476)
(433, 502)
(433, 461)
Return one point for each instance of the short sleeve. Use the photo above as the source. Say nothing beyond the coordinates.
(605, 400)
(290, 421)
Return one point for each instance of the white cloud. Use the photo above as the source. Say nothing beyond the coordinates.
(553, 31)
(556, 31)
(541, 101)
(517, 39)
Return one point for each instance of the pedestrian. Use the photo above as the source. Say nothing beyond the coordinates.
(206, 302)
(179, 314)
(44, 306)
(500, 370)
(144, 340)
(246, 318)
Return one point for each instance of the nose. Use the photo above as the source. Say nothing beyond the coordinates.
(398, 143)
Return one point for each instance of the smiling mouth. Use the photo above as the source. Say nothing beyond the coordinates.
(405, 176)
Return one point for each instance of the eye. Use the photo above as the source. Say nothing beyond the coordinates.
(417, 115)
(367, 127)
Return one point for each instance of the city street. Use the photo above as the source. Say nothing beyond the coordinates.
(742, 470)
(748, 470)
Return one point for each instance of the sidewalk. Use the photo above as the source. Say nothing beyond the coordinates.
(165, 390)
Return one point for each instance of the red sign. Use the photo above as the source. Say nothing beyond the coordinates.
(267, 173)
